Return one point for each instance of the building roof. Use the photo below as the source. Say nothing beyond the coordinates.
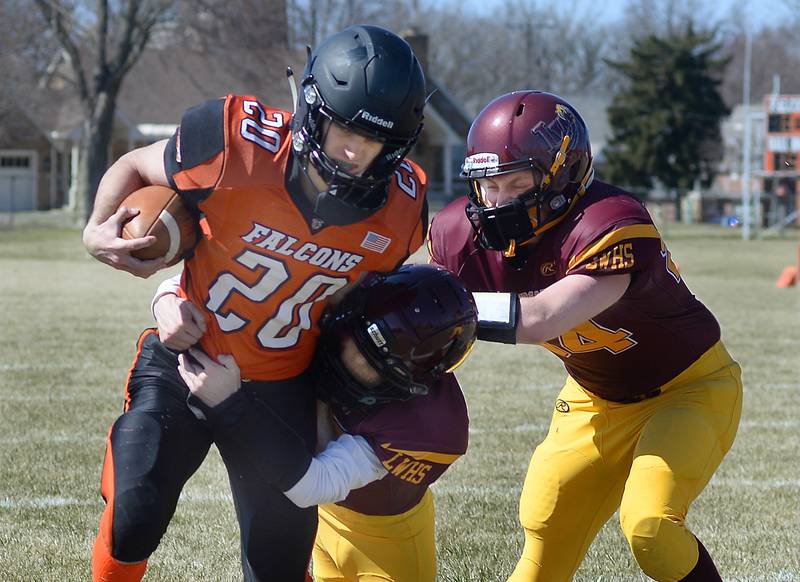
(448, 108)
(164, 83)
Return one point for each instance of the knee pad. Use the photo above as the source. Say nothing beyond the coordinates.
(661, 545)
(139, 523)
(139, 513)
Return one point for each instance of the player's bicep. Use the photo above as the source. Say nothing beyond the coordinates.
(148, 162)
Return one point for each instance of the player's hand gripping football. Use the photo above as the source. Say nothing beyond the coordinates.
(209, 380)
(105, 243)
(180, 322)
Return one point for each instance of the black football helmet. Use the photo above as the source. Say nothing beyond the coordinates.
(526, 130)
(367, 79)
(411, 325)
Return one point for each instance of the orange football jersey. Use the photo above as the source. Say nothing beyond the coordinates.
(266, 270)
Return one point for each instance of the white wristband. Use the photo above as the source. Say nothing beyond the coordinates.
(495, 307)
(167, 287)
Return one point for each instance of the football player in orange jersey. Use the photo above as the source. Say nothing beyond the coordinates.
(652, 399)
(294, 208)
(396, 420)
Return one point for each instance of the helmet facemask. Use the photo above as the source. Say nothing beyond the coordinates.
(518, 221)
(396, 384)
(409, 327)
(348, 197)
(526, 131)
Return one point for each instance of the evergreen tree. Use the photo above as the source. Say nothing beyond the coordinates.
(666, 120)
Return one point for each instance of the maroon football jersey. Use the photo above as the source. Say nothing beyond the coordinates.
(654, 332)
(416, 440)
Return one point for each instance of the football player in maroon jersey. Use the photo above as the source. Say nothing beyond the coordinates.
(652, 399)
(294, 207)
(394, 419)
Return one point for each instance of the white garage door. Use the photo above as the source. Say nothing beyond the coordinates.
(17, 180)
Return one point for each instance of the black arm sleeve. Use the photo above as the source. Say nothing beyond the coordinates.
(250, 434)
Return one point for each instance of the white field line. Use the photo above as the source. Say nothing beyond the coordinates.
(542, 427)
(61, 397)
(779, 576)
(480, 490)
(50, 439)
(40, 502)
(750, 387)
(793, 423)
(766, 484)
(762, 484)
(521, 428)
(50, 501)
(48, 366)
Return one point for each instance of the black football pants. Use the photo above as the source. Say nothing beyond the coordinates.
(158, 443)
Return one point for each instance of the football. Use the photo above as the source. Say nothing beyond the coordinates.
(163, 215)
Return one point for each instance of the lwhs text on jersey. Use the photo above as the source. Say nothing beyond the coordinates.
(328, 258)
(618, 257)
(407, 468)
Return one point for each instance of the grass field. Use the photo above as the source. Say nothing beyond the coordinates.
(67, 332)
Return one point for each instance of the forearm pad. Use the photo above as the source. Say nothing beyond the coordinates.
(249, 433)
(494, 333)
(498, 317)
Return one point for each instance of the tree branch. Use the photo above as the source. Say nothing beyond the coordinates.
(101, 63)
(125, 45)
(52, 12)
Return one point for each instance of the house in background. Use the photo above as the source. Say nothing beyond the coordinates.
(442, 146)
(29, 162)
(39, 153)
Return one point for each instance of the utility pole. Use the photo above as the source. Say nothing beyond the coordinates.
(748, 56)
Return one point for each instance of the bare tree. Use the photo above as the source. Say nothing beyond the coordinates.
(248, 38)
(518, 45)
(773, 56)
(100, 44)
(666, 17)
(312, 20)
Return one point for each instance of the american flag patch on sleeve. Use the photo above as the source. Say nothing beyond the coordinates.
(375, 242)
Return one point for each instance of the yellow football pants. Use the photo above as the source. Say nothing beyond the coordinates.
(651, 459)
(353, 547)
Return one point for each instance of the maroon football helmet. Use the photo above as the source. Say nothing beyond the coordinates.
(533, 131)
(411, 325)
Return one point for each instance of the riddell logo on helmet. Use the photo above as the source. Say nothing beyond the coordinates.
(480, 161)
(375, 334)
(377, 120)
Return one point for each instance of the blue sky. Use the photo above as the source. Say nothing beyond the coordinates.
(758, 12)
(761, 12)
